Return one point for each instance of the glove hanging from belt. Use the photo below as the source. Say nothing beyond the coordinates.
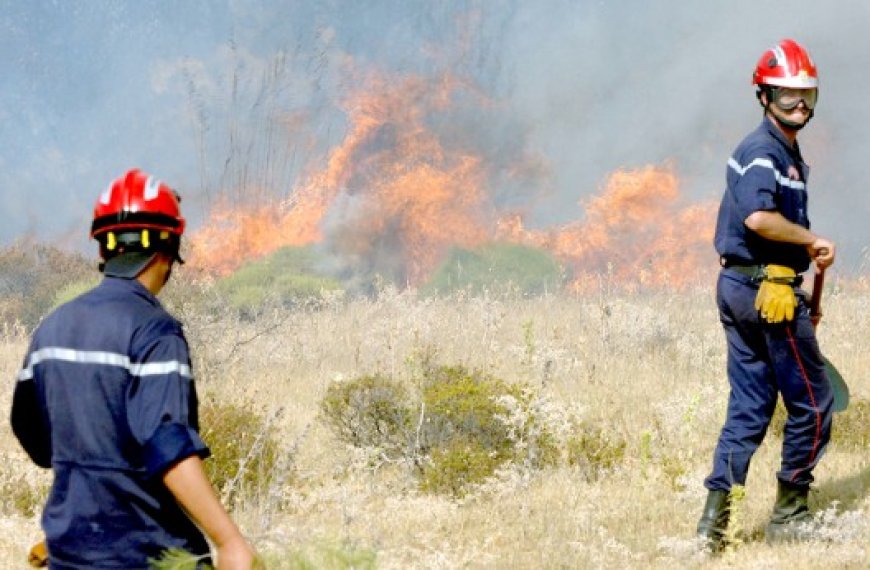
(776, 299)
(38, 556)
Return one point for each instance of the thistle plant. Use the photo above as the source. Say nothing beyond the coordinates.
(737, 520)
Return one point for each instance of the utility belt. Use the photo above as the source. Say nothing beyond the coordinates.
(756, 273)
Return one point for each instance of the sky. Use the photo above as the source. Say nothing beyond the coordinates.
(238, 98)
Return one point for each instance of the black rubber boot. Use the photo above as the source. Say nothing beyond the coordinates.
(714, 520)
(791, 513)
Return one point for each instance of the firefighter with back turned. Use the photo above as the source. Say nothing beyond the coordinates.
(106, 399)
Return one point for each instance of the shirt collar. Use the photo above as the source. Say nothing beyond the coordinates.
(774, 131)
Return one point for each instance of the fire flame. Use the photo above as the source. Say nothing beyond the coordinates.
(391, 188)
(389, 174)
(636, 232)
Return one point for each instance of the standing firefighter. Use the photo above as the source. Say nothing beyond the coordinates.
(764, 240)
(106, 399)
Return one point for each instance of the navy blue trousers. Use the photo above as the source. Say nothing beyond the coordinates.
(765, 360)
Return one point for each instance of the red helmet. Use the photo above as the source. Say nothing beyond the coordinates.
(787, 64)
(136, 201)
(134, 219)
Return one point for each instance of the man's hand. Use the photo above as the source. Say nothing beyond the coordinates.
(822, 251)
(774, 226)
(236, 553)
(188, 483)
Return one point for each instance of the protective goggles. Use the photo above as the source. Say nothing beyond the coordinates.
(787, 98)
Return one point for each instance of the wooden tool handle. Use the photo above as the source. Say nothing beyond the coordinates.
(816, 299)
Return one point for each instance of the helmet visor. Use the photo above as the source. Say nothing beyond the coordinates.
(788, 98)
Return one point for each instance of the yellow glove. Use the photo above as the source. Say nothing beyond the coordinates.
(38, 556)
(776, 299)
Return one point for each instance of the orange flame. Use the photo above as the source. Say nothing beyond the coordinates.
(429, 196)
(392, 188)
(635, 231)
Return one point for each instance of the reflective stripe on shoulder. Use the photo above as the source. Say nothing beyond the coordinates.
(781, 179)
(104, 358)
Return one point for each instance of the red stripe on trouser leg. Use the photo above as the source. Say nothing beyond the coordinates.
(818, 437)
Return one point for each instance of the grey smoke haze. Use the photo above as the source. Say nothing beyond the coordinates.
(236, 98)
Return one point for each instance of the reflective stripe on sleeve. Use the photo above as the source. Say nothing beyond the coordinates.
(103, 358)
(158, 368)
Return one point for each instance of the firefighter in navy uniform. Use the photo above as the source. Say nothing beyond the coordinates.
(764, 240)
(107, 401)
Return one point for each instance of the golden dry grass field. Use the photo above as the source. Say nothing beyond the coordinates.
(644, 369)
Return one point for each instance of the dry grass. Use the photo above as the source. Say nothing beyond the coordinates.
(647, 368)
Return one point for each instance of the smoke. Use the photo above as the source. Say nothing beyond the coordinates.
(241, 103)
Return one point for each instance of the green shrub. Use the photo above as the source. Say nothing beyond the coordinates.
(463, 433)
(244, 448)
(371, 411)
(464, 426)
(594, 452)
(457, 463)
(286, 277)
(461, 403)
(499, 268)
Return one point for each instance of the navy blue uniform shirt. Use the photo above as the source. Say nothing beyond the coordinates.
(107, 400)
(764, 173)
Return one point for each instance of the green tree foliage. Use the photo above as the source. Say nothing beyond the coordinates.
(499, 268)
(286, 277)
